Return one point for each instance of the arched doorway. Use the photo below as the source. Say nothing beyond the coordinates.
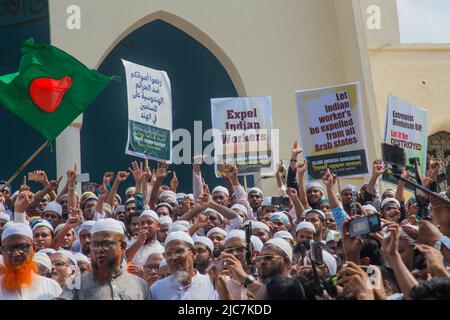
(196, 76)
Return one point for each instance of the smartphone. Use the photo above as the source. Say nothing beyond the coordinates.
(393, 154)
(364, 225)
(316, 253)
(32, 176)
(280, 201)
(355, 210)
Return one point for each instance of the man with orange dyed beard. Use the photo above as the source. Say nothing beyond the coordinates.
(19, 279)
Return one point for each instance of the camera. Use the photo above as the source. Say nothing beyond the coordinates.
(395, 158)
(280, 201)
(364, 225)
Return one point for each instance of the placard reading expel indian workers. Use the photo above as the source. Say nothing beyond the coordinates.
(243, 133)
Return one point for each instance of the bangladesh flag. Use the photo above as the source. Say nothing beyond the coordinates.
(51, 88)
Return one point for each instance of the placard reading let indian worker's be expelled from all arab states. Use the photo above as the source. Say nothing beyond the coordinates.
(332, 130)
(149, 113)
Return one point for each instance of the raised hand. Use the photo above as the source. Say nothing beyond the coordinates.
(352, 246)
(201, 221)
(24, 186)
(292, 194)
(72, 176)
(378, 168)
(301, 168)
(205, 187)
(136, 171)
(174, 182)
(122, 176)
(23, 201)
(296, 150)
(329, 179)
(75, 217)
(355, 282)
(389, 244)
(53, 185)
(204, 200)
(161, 170)
(107, 177)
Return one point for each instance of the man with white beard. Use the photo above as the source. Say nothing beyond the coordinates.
(185, 283)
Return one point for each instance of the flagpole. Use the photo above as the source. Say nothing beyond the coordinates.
(23, 166)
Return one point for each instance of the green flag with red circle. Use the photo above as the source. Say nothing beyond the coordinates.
(50, 89)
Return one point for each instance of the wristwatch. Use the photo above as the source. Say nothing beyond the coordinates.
(248, 280)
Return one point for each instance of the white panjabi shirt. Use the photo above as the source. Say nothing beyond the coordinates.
(40, 289)
(200, 288)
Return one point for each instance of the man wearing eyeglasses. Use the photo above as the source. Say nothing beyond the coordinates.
(19, 279)
(185, 282)
(107, 280)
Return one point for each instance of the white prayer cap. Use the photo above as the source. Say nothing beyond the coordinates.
(283, 235)
(239, 207)
(43, 259)
(305, 213)
(267, 201)
(280, 216)
(107, 224)
(209, 211)
(118, 209)
(177, 227)
(5, 217)
(221, 189)
(179, 235)
(330, 262)
(168, 194)
(16, 228)
(165, 220)
(48, 251)
(255, 190)
(350, 187)
(257, 243)
(216, 230)
(332, 235)
(283, 245)
(130, 190)
(185, 223)
(204, 240)
(164, 205)
(181, 196)
(81, 257)
(54, 207)
(315, 185)
(69, 255)
(260, 225)
(87, 225)
(118, 198)
(163, 263)
(391, 191)
(370, 209)
(235, 234)
(305, 225)
(390, 200)
(191, 196)
(149, 213)
(60, 227)
(43, 223)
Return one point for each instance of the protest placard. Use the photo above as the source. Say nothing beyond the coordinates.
(149, 113)
(332, 130)
(407, 127)
(243, 133)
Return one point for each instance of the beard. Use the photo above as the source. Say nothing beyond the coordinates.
(181, 277)
(86, 250)
(104, 274)
(20, 276)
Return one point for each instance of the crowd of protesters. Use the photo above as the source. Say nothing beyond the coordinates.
(227, 243)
